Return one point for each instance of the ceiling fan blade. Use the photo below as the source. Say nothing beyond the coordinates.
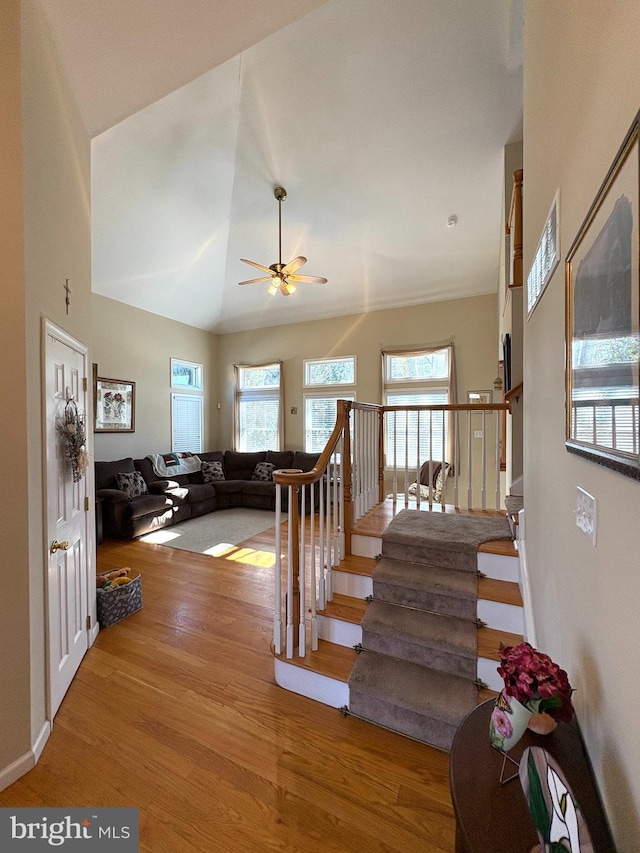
(312, 279)
(257, 266)
(294, 265)
(256, 280)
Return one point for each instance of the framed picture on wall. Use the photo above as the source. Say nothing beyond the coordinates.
(603, 321)
(115, 405)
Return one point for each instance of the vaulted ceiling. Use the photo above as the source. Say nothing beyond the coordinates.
(381, 120)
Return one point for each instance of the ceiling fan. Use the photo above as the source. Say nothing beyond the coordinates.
(283, 277)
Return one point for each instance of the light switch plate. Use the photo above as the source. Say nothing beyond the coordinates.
(586, 514)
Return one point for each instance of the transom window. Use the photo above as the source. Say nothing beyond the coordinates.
(258, 407)
(330, 371)
(186, 375)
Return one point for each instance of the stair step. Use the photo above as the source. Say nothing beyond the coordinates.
(439, 642)
(449, 541)
(425, 587)
(410, 699)
(346, 608)
(489, 640)
(330, 660)
(506, 592)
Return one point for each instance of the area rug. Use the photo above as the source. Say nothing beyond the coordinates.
(214, 532)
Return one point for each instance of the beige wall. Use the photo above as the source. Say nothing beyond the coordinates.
(14, 518)
(45, 220)
(135, 345)
(470, 323)
(581, 91)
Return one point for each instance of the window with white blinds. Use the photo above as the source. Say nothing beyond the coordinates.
(320, 418)
(417, 378)
(258, 407)
(186, 422)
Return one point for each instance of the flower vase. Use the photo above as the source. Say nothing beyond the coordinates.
(509, 721)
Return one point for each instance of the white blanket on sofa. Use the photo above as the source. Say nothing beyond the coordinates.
(171, 464)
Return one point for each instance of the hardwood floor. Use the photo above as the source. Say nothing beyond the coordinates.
(174, 710)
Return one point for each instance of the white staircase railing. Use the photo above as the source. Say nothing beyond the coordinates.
(354, 473)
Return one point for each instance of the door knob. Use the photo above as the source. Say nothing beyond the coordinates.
(59, 546)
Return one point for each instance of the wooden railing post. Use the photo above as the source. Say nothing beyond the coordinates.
(347, 473)
(381, 490)
(294, 565)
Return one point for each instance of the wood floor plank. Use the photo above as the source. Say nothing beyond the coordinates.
(175, 710)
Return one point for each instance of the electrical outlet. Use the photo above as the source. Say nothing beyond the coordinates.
(477, 433)
(586, 514)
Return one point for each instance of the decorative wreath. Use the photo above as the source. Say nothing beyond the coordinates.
(72, 428)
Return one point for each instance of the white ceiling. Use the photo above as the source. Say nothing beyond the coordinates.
(381, 118)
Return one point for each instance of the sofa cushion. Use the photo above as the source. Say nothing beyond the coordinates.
(132, 483)
(106, 472)
(212, 471)
(263, 471)
(280, 458)
(304, 461)
(149, 504)
(239, 465)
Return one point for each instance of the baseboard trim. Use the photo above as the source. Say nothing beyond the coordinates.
(41, 740)
(26, 762)
(525, 586)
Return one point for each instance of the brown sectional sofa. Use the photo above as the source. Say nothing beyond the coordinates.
(184, 496)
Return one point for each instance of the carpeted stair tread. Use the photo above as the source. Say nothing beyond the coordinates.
(443, 643)
(441, 539)
(408, 698)
(427, 587)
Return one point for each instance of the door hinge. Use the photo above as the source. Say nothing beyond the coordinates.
(86, 504)
(85, 384)
(89, 622)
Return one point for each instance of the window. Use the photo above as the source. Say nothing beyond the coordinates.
(325, 374)
(330, 371)
(418, 378)
(186, 422)
(186, 375)
(320, 419)
(258, 407)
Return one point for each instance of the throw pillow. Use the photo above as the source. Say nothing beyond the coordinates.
(133, 485)
(212, 471)
(263, 471)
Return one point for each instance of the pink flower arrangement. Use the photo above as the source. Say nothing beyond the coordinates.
(536, 681)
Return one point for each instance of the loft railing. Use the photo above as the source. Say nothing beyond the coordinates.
(374, 452)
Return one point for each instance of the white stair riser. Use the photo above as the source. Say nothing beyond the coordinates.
(339, 632)
(488, 673)
(365, 546)
(314, 686)
(499, 567)
(503, 617)
(356, 586)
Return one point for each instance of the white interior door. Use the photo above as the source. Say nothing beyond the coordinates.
(67, 519)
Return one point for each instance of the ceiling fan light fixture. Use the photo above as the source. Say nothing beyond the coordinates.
(282, 275)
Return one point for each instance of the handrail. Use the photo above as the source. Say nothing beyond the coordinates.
(289, 477)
